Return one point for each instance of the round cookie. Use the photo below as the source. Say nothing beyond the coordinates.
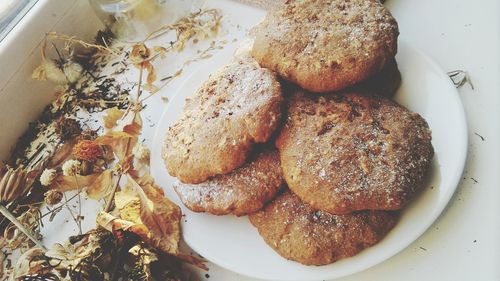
(243, 191)
(347, 152)
(298, 232)
(238, 106)
(326, 45)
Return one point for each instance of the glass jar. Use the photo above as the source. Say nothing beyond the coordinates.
(135, 19)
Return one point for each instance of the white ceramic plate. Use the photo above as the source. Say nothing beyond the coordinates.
(235, 244)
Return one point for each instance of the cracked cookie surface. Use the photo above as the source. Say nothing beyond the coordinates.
(347, 152)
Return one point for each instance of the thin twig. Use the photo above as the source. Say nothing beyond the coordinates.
(72, 40)
(31, 204)
(203, 55)
(92, 101)
(67, 206)
(79, 218)
(109, 201)
(52, 212)
(141, 71)
(181, 24)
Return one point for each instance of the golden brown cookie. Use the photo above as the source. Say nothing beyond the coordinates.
(243, 191)
(237, 107)
(326, 45)
(298, 232)
(347, 152)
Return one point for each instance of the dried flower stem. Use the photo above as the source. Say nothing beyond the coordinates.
(202, 55)
(141, 71)
(69, 209)
(31, 204)
(66, 200)
(70, 40)
(78, 219)
(109, 201)
(92, 101)
(8, 215)
(187, 23)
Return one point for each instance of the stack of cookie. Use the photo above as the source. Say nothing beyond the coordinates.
(303, 136)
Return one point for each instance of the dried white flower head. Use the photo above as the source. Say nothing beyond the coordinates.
(49, 70)
(73, 71)
(71, 167)
(141, 152)
(47, 177)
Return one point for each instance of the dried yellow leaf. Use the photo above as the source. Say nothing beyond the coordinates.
(65, 183)
(102, 186)
(112, 116)
(129, 205)
(145, 211)
(121, 143)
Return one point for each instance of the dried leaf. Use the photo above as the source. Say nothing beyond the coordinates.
(29, 263)
(145, 211)
(145, 254)
(65, 183)
(128, 204)
(58, 251)
(125, 197)
(143, 258)
(151, 73)
(142, 56)
(139, 54)
(102, 186)
(112, 116)
(135, 127)
(121, 143)
(162, 51)
(151, 88)
(160, 215)
(126, 165)
(114, 224)
(162, 218)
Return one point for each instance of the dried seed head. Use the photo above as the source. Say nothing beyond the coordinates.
(71, 167)
(52, 197)
(87, 150)
(13, 184)
(47, 177)
(88, 134)
(67, 128)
